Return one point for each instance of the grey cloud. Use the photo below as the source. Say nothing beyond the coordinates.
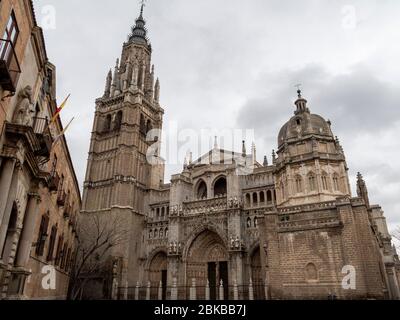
(357, 101)
(212, 55)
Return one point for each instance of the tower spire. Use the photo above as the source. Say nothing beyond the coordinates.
(141, 8)
(139, 31)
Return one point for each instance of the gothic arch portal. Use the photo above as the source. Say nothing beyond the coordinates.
(157, 273)
(207, 261)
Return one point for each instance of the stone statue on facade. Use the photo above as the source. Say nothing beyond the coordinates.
(237, 243)
(24, 111)
(232, 243)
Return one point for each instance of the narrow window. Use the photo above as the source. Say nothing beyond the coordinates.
(269, 196)
(248, 200)
(336, 182)
(299, 184)
(64, 255)
(10, 38)
(42, 236)
(53, 238)
(59, 249)
(324, 178)
(311, 182)
(107, 124)
(255, 199)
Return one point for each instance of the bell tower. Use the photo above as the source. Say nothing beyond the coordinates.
(127, 122)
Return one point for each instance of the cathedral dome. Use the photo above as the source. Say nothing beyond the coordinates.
(303, 124)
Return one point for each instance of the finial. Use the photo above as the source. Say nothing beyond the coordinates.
(215, 142)
(244, 151)
(143, 3)
(190, 158)
(300, 103)
(265, 161)
(298, 86)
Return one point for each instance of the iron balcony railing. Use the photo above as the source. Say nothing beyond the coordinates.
(10, 69)
(41, 125)
(41, 129)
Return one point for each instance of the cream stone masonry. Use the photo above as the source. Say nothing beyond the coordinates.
(285, 230)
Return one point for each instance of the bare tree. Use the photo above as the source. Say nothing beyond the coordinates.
(97, 235)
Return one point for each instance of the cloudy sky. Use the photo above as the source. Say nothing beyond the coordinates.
(234, 64)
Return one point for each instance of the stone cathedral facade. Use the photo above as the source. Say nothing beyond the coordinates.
(285, 230)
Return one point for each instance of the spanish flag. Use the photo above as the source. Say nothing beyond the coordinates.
(63, 132)
(59, 109)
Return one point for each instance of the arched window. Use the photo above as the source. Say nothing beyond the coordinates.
(255, 222)
(255, 199)
(311, 182)
(220, 187)
(249, 222)
(155, 233)
(248, 200)
(107, 123)
(150, 233)
(269, 196)
(118, 121)
(299, 184)
(311, 272)
(148, 126)
(202, 191)
(166, 232)
(283, 191)
(325, 184)
(336, 182)
(262, 197)
(161, 233)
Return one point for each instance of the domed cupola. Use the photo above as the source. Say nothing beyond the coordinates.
(311, 166)
(303, 124)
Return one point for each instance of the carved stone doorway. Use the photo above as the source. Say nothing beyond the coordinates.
(158, 274)
(207, 261)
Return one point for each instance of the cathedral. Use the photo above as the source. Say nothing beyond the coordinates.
(227, 226)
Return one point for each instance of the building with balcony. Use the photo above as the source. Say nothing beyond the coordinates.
(35, 164)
